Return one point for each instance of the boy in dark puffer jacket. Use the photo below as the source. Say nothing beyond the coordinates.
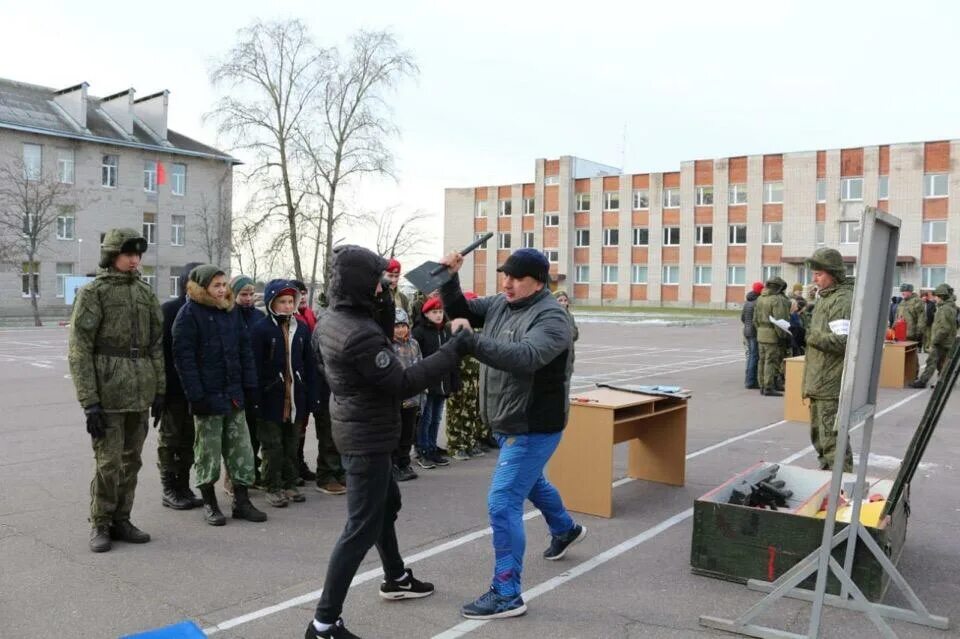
(432, 334)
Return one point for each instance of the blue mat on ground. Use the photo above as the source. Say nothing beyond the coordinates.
(182, 630)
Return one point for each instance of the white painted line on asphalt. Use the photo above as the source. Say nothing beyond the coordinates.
(466, 627)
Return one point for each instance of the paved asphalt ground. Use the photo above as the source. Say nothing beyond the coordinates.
(629, 578)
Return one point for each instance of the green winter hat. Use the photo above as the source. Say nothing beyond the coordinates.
(204, 274)
(906, 288)
(777, 284)
(238, 282)
(560, 293)
(117, 241)
(943, 290)
(829, 260)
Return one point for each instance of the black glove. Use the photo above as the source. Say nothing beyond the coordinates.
(96, 421)
(156, 408)
(200, 408)
(464, 342)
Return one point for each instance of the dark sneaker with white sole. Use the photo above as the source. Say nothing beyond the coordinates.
(492, 605)
(336, 631)
(408, 587)
(560, 543)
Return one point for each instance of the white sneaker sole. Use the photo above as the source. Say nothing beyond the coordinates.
(515, 612)
(404, 594)
(583, 533)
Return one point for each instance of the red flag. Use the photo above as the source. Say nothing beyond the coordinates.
(161, 174)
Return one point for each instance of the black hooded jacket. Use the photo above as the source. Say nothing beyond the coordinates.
(746, 315)
(170, 309)
(367, 380)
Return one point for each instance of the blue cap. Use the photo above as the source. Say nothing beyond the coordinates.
(527, 262)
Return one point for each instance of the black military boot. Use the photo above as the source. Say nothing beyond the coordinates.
(100, 538)
(211, 510)
(125, 531)
(242, 508)
(770, 392)
(183, 488)
(172, 498)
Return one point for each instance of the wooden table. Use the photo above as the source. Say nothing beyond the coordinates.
(582, 466)
(794, 408)
(899, 364)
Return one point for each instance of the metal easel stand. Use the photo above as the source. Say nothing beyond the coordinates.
(857, 405)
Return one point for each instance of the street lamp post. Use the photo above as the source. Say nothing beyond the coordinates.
(80, 255)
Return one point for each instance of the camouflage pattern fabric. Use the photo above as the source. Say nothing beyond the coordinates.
(825, 349)
(769, 364)
(226, 436)
(279, 445)
(936, 360)
(914, 313)
(118, 461)
(823, 418)
(465, 428)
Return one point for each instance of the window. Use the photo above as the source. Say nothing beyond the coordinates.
(702, 275)
(611, 200)
(737, 194)
(148, 274)
(704, 235)
(481, 208)
(883, 187)
(30, 224)
(738, 234)
(849, 232)
(150, 227)
(934, 232)
(671, 274)
(611, 273)
(641, 236)
(821, 190)
(178, 179)
(551, 219)
(503, 241)
(773, 233)
(32, 161)
(583, 238)
(477, 236)
(933, 276)
(850, 269)
(65, 166)
(174, 286)
(805, 275)
(108, 171)
(851, 189)
(581, 274)
(641, 199)
(611, 237)
(505, 208)
(66, 225)
(550, 180)
(770, 271)
(178, 227)
(934, 185)
(528, 205)
(821, 231)
(583, 202)
(671, 235)
(527, 240)
(773, 192)
(64, 270)
(704, 196)
(736, 275)
(150, 176)
(671, 198)
(26, 278)
(553, 255)
(638, 274)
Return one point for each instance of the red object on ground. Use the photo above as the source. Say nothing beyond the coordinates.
(900, 330)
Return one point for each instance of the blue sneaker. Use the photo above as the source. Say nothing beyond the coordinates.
(492, 605)
(560, 543)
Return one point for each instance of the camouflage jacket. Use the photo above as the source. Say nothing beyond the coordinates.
(408, 352)
(825, 349)
(116, 343)
(770, 304)
(914, 313)
(944, 330)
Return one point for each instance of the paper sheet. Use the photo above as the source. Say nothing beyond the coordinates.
(784, 325)
(840, 327)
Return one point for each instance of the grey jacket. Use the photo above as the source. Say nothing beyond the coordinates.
(525, 354)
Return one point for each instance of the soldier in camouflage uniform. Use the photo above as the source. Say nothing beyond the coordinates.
(770, 339)
(914, 313)
(465, 430)
(826, 346)
(116, 363)
(943, 334)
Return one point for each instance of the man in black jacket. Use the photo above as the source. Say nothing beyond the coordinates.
(368, 384)
(750, 335)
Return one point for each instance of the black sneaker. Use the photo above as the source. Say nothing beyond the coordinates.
(437, 458)
(560, 543)
(406, 474)
(491, 605)
(407, 588)
(425, 461)
(336, 631)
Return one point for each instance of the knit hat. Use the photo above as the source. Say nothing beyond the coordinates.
(560, 293)
(527, 262)
(204, 274)
(400, 316)
(238, 283)
(430, 304)
(393, 266)
(757, 287)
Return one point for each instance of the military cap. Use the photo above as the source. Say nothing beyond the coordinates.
(906, 288)
(118, 241)
(944, 290)
(829, 260)
(776, 283)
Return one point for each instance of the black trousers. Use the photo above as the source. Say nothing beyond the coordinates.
(408, 428)
(373, 501)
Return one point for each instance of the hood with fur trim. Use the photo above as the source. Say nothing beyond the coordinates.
(200, 295)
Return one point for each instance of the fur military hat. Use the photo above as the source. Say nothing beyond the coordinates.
(119, 241)
(829, 260)
(943, 290)
(777, 284)
(906, 288)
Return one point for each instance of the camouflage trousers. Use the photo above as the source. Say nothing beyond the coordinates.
(278, 448)
(936, 360)
(226, 436)
(823, 419)
(175, 438)
(464, 426)
(769, 364)
(118, 462)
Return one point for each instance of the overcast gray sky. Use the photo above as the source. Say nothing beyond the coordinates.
(503, 83)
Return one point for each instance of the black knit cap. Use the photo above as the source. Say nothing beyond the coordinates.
(527, 262)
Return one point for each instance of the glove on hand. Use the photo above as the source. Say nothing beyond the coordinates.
(464, 342)
(156, 409)
(96, 421)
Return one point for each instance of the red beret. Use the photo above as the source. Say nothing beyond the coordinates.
(758, 287)
(393, 266)
(430, 304)
(470, 295)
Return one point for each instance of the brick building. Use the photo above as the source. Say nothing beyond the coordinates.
(104, 151)
(700, 235)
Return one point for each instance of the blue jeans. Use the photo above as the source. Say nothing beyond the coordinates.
(753, 356)
(429, 426)
(519, 476)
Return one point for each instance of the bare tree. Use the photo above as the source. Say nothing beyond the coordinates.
(348, 139)
(214, 222)
(274, 75)
(396, 238)
(31, 200)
